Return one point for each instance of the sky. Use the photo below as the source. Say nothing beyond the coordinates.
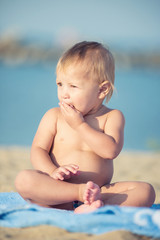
(121, 22)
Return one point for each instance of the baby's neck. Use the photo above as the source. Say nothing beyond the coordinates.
(95, 111)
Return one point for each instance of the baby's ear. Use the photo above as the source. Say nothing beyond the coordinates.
(104, 89)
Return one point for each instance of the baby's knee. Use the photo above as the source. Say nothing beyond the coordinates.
(23, 181)
(147, 191)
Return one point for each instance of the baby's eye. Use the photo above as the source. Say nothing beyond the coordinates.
(59, 84)
(73, 86)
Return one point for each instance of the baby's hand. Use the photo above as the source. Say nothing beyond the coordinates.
(72, 116)
(65, 172)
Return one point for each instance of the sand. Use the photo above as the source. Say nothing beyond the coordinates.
(139, 166)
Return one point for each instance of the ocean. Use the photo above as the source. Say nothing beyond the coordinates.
(28, 91)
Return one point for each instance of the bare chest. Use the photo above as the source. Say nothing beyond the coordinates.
(67, 140)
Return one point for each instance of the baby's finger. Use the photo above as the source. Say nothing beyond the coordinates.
(67, 108)
(59, 176)
(72, 168)
(64, 106)
(74, 165)
(64, 170)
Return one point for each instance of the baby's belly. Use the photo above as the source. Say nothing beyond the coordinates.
(91, 166)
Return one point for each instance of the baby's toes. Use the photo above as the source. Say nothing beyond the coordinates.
(87, 196)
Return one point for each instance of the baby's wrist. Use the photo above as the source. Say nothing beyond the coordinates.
(52, 172)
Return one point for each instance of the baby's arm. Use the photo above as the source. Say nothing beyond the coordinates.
(43, 141)
(107, 144)
(41, 147)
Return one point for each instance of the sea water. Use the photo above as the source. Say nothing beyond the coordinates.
(28, 91)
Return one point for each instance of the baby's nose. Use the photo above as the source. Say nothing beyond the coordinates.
(65, 94)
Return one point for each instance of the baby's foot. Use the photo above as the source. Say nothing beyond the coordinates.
(85, 208)
(92, 193)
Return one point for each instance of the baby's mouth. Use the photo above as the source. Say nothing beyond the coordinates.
(71, 106)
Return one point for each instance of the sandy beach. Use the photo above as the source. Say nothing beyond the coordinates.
(139, 166)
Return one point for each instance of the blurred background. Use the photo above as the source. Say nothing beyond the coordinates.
(33, 35)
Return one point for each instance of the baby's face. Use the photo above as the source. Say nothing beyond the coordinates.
(77, 90)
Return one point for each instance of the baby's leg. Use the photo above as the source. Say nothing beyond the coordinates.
(40, 188)
(138, 194)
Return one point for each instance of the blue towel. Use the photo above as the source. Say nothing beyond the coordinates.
(15, 212)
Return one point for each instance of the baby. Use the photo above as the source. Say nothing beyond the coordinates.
(75, 144)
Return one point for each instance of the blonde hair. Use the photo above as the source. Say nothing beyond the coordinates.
(96, 61)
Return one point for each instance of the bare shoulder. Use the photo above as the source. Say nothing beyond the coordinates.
(115, 117)
(49, 120)
(112, 113)
(46, 129)
(117, 114)
(51, 114)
